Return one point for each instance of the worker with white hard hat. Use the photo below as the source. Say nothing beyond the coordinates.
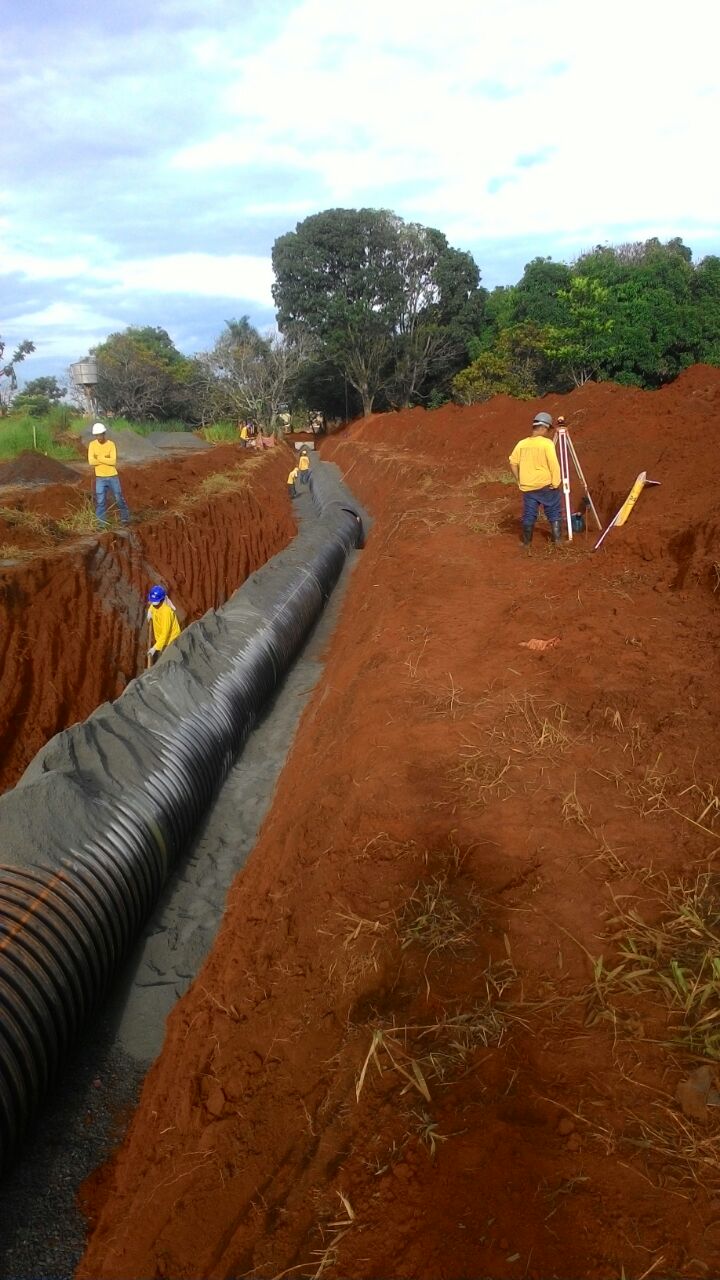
(102, 455)
(535, 466)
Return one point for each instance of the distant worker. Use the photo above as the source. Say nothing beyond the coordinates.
(102, 455)
(162, 621)
(245, 434)
(291, 482)
(304, 466)
(535, 466)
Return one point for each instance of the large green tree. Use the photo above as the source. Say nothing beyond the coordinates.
(142, 374)
(383, 301)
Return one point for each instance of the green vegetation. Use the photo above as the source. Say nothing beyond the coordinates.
(375, 313)
(20, 434)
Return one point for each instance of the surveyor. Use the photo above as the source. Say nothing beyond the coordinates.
(245, 434)
(291, 481)
(535, 466)
(102, 455)
(304, 466)
(162, 620)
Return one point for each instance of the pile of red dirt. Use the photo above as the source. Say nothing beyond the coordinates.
(404, 1057)
(71, 618)
(36, 469)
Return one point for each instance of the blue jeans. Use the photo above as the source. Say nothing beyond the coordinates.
(103, 484)
(305, 476)
(547, 498)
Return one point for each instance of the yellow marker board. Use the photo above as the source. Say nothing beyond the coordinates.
(631, 499)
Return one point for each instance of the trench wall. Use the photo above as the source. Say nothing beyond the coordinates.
(72, 630)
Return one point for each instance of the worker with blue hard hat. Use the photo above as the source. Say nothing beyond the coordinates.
(162, 620)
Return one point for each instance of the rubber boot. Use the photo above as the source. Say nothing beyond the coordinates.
(556, 533)
(526, 537)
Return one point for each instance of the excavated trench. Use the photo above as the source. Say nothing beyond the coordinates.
(71, 617)
(102, 818)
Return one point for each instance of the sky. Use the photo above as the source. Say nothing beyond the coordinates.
(151, 153)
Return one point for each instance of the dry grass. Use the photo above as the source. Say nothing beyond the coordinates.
(82, 520)
(491, 475)
(480, 777)
(361, 942)
(678, 1154)
(10, 551)
(29, 520)
(533, 726)
(574, 811)
(674, 956)
(436, 1053)
(432, 919)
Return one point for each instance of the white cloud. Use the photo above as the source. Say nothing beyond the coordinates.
(200, 274)
(364, 97)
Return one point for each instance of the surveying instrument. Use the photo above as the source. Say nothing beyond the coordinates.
(566, 453)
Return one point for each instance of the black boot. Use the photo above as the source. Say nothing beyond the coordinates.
(556, 532)
(527, 533)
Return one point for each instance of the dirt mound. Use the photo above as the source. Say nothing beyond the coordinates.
(30, 468)
(416, 1049)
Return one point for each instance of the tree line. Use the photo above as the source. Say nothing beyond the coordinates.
(377, 313)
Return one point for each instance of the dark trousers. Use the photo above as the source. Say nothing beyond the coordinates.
(547, 498)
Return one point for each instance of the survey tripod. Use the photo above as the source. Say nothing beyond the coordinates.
(566, 452)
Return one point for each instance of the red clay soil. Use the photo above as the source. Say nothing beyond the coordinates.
(35, 468)
(72, 630)
(401, 1058)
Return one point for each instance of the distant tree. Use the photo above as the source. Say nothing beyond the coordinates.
(7, 371)
(537, 297)
(38, 396)
(248, 375)
(377, 296)
(142, 374)
(511, 367)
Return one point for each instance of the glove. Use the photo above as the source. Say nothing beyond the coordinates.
(150, 652)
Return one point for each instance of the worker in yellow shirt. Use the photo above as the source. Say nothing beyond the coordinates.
(304, 466)
(535, 466)
(244, 435)
(162, 620)
(291, 482)
(102, 455)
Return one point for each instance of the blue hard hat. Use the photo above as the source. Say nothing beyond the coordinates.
(156, 595)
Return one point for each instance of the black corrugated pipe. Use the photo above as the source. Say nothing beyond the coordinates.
(93, 827)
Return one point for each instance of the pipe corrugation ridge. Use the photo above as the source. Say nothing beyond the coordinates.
(106, 808)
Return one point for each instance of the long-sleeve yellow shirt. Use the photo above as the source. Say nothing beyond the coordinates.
(164, 623)
(537, 463)
(304, 463)
(293, 475)
(103, 457)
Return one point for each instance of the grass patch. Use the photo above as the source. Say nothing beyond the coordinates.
(436, 1052)
(20, 435)
(9, 551)
(534, 726)
(674, 956)
(82, 520)
(221, 433)
(492, 475)
(29, 520)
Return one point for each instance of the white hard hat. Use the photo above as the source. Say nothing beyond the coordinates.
(98, 429)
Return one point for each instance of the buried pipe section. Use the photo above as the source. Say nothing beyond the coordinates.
(104, 811)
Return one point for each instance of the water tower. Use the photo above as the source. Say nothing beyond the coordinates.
(84, 374)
